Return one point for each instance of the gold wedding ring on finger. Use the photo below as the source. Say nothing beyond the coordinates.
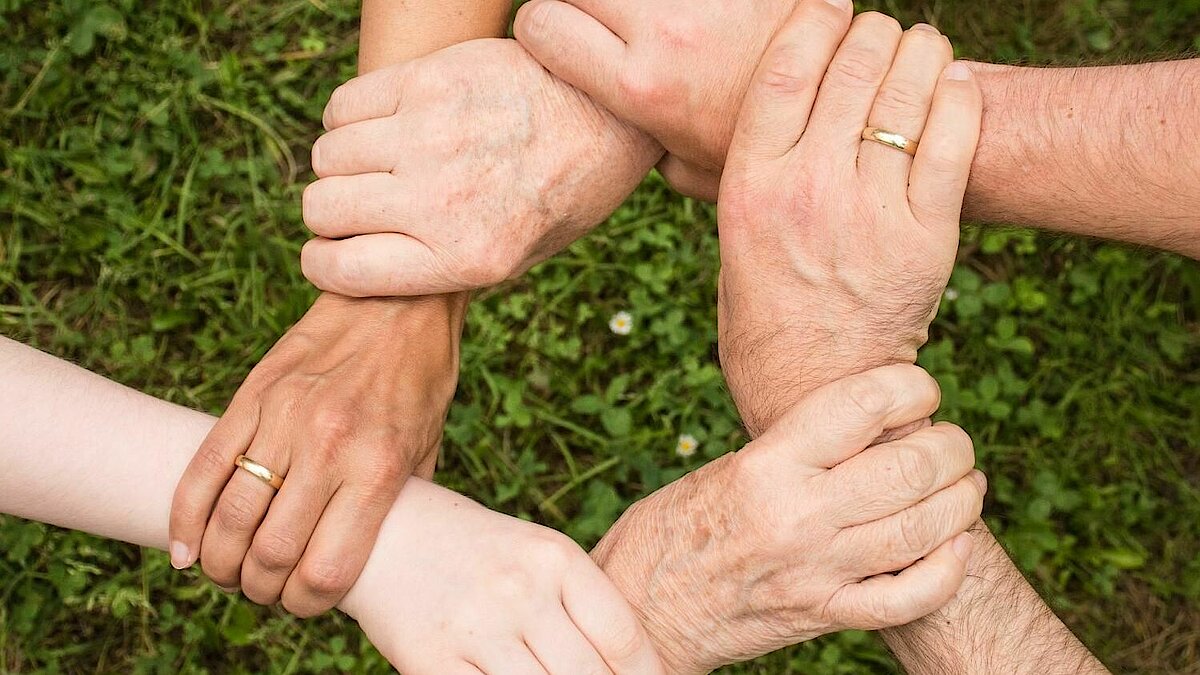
(259, 471)
(891, 139)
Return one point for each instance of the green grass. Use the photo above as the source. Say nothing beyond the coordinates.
(151, 161)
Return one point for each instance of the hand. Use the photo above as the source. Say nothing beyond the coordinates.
(458, 171)
(799, 533)
(835, 251)
(347, 405)
(677, 69)
(455, 588)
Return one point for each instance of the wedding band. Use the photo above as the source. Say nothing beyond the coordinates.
(259, 471)
(893, 140)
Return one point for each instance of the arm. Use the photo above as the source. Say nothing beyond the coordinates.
(331, 405)
(996, 623)
(447, 584)
(790, 317)
(1106, 152)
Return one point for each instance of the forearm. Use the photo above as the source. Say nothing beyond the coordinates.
(400, 30)
(1108, 152)
(393, 31)
(995, 624)
(82, 452)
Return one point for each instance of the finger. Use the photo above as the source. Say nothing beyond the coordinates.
(943, 162)
(605, 618)
(578, 49)
(839, 420)
(621, 17)
(688, 180)
(903, 103)
(378, 265)
(889, 478)
(370, 96)
(242, 506)
(281, 539)
(852, 82)
(561, 648)
(345, 206)
(776, 109)
(339, 547)
(896, 541)
(890, 600)
(363, 147)
(206, 476)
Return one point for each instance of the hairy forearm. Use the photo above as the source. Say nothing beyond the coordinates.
(1107, 151)
(995, 624)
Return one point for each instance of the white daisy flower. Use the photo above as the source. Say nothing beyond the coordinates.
(621, 323)
(687, 445)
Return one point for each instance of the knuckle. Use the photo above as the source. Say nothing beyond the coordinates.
(390, 474)
(865, 397)
(515, 583)
(275, 552)
(214, 459)
(314, 207)
(237, 511)
(915, 469)
(623, 641)
(957, 440)
(332, 421)
(640, 87)
(784, 72)
(882, 611)
(488, 267)
(537, 19)
(917, 530)
(322, 150)
(944, 165)
(681, 32)
(903, 97)
(347, 271)
(335, 109)
(552, 551)
(860, 66)
(326, 577)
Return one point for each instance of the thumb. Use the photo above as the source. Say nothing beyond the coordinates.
(841, 419)
(577, 49)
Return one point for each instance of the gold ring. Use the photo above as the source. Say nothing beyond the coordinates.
(893, 140)
(259, 471)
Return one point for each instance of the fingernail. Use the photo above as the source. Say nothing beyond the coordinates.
(958, 71)
(840, 4)
(980, 480)
(181, 557)
(962, 546)
(231, 589)
(926, 28)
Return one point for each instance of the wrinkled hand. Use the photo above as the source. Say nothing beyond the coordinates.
(798, 534)
(453, 588)
(458, 171)
(835, 251)
(348, 404)
(677, 69)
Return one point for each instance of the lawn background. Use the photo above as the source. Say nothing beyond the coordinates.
(152, 156)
